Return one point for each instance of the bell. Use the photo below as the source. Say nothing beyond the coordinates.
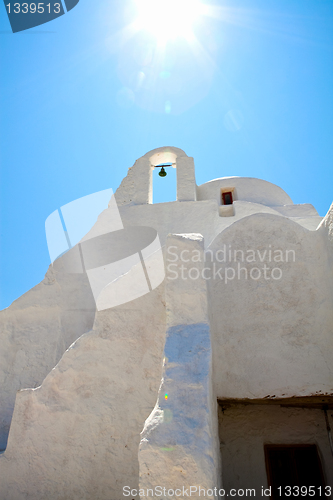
(162, 172)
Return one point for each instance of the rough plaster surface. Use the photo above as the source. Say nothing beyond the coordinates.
(298, 210)
(327, 227)
(36, 330)
(178, 446)
(244, 430)
(77, 435)
(301, 214)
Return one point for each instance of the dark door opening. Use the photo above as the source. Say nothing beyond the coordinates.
(289, 468)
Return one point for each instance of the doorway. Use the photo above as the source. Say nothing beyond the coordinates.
(292, 469)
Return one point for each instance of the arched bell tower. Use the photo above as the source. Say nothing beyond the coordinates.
(137, 186)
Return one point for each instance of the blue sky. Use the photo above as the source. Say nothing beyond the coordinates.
(253, 96)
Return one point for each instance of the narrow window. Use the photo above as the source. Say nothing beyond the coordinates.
(289, 466)
(227, 198)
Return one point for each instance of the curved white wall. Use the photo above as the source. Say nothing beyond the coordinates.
(246, 189)
(272, 334)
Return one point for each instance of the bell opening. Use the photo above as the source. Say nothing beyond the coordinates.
(164, 187)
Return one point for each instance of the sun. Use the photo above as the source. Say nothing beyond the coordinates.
(168, 19)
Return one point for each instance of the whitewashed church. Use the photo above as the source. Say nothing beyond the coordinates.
(203, 369)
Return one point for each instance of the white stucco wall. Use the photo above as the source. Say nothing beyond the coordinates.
(76, 437)
(36, 330)
(179, 445)
(136, 187)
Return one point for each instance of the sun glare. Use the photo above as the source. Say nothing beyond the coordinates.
(168, 19)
